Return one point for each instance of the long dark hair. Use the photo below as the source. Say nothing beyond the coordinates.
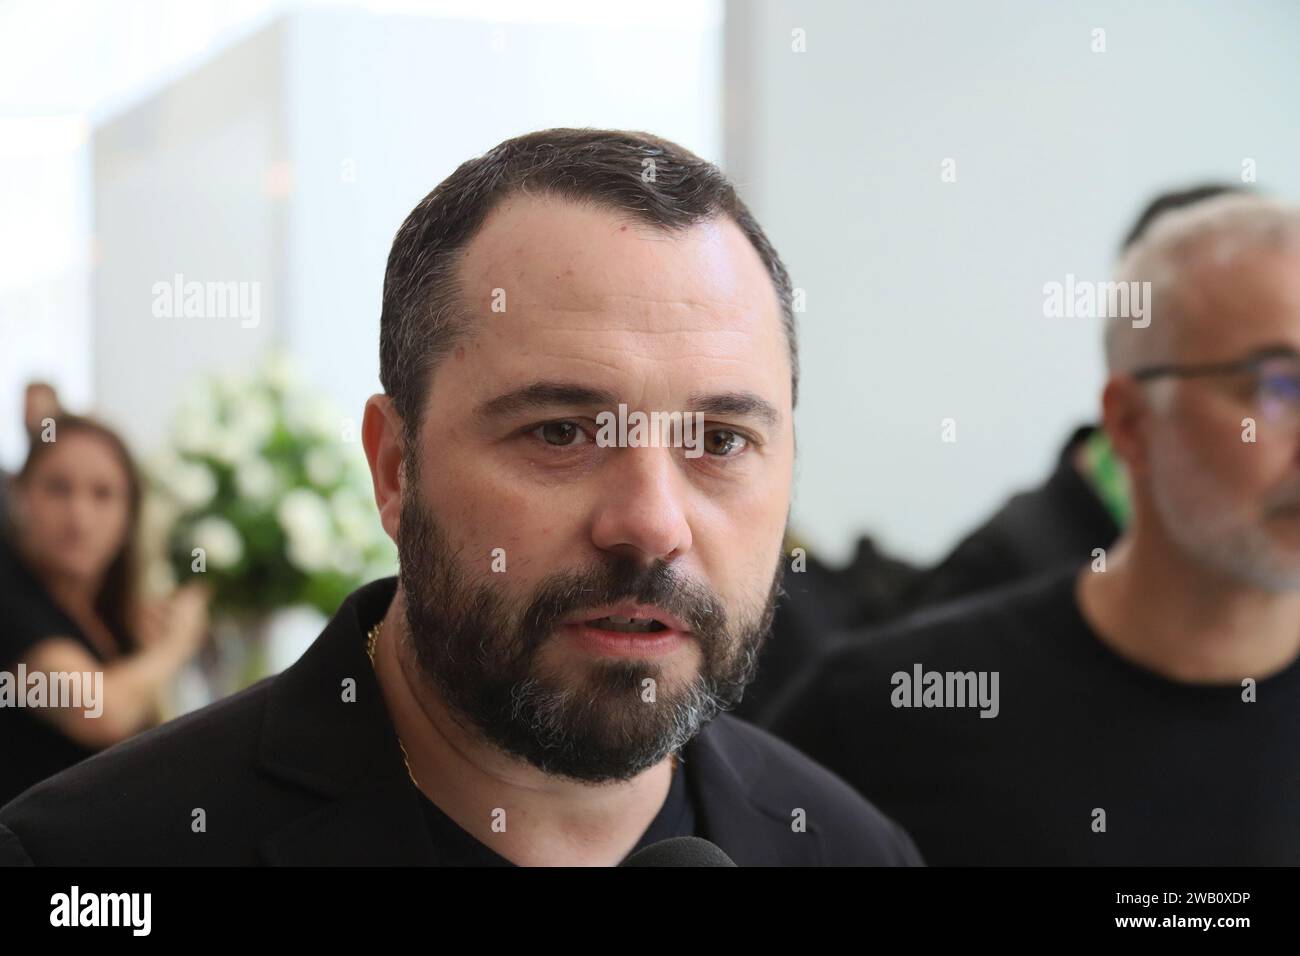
(119, 592)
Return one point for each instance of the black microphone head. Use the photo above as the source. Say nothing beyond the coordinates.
(680, 851)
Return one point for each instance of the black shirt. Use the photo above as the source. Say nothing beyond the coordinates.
(1185, 774)
(456, 847)
(31, 748)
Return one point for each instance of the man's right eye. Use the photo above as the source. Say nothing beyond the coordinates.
(560, 433)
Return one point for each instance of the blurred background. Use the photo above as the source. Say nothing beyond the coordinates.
(923, 168)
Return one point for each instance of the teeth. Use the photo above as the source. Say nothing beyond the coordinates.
(638, 625)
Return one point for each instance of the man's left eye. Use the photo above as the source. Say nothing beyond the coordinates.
(560, 434)
(724, 443)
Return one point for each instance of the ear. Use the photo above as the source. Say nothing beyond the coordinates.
(1125, 413)
(383, 436)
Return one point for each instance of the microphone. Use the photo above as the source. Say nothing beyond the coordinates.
(680, 851)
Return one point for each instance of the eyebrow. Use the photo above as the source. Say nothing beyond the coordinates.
(744, 404)
(544, 395)
(539, 395)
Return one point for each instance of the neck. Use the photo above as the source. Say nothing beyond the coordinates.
(547, 820)
(1162, 610)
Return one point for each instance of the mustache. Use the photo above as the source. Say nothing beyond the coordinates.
(564, 594)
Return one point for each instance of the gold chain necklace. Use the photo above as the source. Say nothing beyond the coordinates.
(370, 650)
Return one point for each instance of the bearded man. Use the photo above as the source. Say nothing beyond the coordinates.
(545, 682)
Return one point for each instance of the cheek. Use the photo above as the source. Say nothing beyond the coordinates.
(116, 522)
(1244, 456)
(45, 516)
(738, 550)
(1265, 464)
(483, 511)
(1215, 447)
(758, 514)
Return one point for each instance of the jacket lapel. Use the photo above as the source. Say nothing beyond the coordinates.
(344, 751)
(735, 814)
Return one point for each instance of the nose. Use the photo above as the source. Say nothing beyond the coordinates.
(641, 513)
(81, 514)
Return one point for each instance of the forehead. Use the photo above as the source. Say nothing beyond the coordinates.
(590, 287)
(85, 451)
(1233, 307)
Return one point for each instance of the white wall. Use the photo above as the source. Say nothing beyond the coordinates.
(45, 267)
(924, 297)
(184, 185)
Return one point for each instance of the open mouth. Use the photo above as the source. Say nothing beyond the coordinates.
(627, 625)
(629, 630)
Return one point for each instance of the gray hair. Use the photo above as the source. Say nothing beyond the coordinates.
(1214, 231)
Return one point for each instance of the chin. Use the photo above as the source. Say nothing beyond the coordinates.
(82, 570)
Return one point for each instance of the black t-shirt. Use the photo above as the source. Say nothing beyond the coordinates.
(31, 748)
(1176, 773)
(456, 847)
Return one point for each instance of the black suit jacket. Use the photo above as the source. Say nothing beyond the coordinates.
(287, 772)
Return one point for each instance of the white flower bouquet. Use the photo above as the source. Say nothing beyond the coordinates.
(265, 495)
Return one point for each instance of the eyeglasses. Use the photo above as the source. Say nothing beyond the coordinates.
(1273, 375)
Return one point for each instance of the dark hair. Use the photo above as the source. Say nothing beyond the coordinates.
(422, 320)
(118, 595)
(1175, 199)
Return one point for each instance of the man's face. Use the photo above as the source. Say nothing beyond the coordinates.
(524, 542)
(1232, 504)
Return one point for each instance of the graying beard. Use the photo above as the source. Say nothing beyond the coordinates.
(544, 712)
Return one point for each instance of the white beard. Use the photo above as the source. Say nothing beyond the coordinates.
(1200, 515)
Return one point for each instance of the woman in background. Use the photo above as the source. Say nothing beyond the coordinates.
(69, 603)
